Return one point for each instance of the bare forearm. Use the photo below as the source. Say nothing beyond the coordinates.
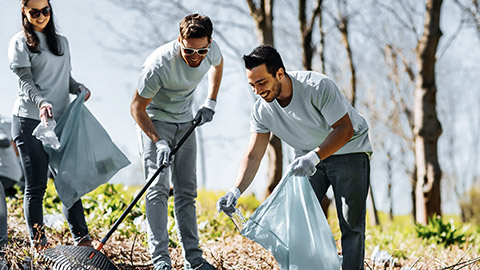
(139, 114)
(246, 172)
(214, 80)
(339, 136)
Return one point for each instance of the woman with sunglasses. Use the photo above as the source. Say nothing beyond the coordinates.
(40, 59)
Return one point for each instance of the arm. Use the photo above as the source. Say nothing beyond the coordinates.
(246, 172)
(27, 86)
(214, 80)
(342, 132)
(251, 160)
(76, 87)
(139, 114)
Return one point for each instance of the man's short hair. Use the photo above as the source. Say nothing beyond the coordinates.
(196, 26)
(264, 55)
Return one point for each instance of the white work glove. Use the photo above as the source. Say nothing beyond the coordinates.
(305, 165)
(228, 201)
(163, 153)
(206, 112)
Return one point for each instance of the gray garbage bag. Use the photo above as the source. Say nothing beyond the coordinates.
(86, 158)
(290, 223)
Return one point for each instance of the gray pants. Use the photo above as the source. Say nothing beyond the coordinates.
(349, 176)
(182, 173)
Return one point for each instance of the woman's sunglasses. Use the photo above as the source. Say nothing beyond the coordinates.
(35, 13)
(190, 51)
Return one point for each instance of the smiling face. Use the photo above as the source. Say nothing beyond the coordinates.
(264, 83)
(195, 59)
(33, 6)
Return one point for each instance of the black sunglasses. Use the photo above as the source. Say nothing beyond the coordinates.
(35, 13)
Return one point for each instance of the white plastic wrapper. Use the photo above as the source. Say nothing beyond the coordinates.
(46, 134)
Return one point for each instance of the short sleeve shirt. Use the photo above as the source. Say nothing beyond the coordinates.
(170, 82)
(306, 121)
(51, 74)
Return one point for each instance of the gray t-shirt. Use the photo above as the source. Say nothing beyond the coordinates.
(9, 162)
(305, 123)
(51, 74)
(170, 82)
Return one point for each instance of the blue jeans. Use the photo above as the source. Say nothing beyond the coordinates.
(182, 174)
(349, 176)
(34, 162)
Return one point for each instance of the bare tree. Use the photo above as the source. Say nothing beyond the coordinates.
(427, 128)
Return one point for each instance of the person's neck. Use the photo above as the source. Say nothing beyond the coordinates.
(286, 93)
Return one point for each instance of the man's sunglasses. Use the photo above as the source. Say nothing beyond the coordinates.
(190, 51)
(35, 13)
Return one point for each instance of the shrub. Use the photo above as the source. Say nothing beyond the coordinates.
(438, 232)
(470, 205)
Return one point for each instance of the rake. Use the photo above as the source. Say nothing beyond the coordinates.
(78, 257)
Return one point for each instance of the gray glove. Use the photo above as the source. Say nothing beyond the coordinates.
(227, 202)
(305, 165)
(206, 112)
(163, 153)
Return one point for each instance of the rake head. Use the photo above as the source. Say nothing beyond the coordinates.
(76, 257)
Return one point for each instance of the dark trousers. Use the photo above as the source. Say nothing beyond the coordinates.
(34, 162)
(349, 176)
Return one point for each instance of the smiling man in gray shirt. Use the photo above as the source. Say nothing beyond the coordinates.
(307, 111)
(162, 108)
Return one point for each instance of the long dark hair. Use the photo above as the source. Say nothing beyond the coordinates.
(32, 39)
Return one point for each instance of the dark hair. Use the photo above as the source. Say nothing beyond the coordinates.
(32, 39)
(264, 55)
(196, 26)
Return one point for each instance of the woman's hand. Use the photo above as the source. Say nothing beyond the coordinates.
(83, 88)
(46, 112)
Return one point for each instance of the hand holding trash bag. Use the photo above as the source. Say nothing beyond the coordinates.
(228, 201)
(46, 112)
(206, 112)
(305, 165)
(163, 153)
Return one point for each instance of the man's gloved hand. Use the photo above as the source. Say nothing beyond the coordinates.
(228, 201)
(163, 153)
(206, 112)
(305, 165)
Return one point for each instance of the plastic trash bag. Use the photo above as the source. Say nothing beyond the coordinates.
(87, 157)
(46, 134)
(290, 223)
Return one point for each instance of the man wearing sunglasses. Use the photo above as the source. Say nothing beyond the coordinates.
(162, 108)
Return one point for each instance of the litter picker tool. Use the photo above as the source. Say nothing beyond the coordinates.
(79, 257)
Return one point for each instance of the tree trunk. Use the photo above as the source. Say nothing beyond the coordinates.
(427, 128)
(346, 42)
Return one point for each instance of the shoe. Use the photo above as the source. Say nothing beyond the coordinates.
(204, 266)
(85, 243)
(162, 266)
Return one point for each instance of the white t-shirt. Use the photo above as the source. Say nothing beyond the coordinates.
(51, 74)
(171, 82)
(305, 123)
(9, 162)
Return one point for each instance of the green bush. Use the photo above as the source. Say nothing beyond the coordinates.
(438, 232)
(470, 205)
